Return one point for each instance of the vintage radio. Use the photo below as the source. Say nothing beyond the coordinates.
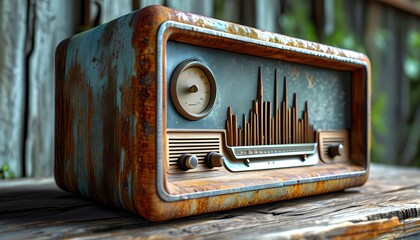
(170, 114)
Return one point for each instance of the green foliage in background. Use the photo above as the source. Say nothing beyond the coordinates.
(412, 72)
(296, 22)
(6, 172)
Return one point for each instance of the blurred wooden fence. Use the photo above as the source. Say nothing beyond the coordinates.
(31, 29)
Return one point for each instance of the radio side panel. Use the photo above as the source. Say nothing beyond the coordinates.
(94, 121)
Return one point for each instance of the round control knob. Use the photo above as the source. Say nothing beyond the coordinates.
(336, 150)
(214, 159)
(187, 161)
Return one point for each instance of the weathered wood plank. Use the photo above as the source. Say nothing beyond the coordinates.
(387, 206)
(12, 83)
(267, 14)
(110, 9)
(50, 22)
(144, 3)
(202, 7)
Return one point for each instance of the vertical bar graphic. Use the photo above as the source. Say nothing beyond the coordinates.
(263, 127)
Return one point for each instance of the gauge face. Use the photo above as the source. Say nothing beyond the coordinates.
(193, 89)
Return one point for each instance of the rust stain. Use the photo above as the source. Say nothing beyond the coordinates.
(320, 187)
(109, 33)
(370, 230)
(245, 31)
(64, 138)
(110, 136)
(126, 139)
(144, 109)
(84, 125)
(311, 80)
(242, 31)
(294, 72)
(76, 79)
(159, 210)
(200, 22)
(115, 132)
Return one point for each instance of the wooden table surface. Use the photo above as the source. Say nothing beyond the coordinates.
(387, 206)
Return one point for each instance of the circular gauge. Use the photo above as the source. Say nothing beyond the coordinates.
(193, 89)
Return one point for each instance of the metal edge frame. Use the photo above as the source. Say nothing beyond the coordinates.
(159, 164)
(233, 150)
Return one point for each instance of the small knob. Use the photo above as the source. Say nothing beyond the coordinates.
(336, 150)
(187, 161)
(214, 159)
(193, 89)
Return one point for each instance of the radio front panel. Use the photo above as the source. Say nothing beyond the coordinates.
(327, 92)
(170, 114)
(260, 114)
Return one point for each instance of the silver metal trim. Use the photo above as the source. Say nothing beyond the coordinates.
(278, 160)
(159, 162)
(264, 151)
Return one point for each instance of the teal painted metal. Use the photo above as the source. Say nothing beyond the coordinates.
(99, 65)
(327, 91)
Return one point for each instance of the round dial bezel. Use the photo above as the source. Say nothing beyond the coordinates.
(190, 63)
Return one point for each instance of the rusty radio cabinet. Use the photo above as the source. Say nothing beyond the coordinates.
(170, 114)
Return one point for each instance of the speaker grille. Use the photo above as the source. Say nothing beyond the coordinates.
(197, 143)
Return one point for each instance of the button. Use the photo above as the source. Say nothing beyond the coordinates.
(214, 159)
(337, 150)
(187, 161)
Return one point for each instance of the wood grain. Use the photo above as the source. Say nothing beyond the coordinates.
(388, 206)
(34, 28)
(12, 83)
(50, 22)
